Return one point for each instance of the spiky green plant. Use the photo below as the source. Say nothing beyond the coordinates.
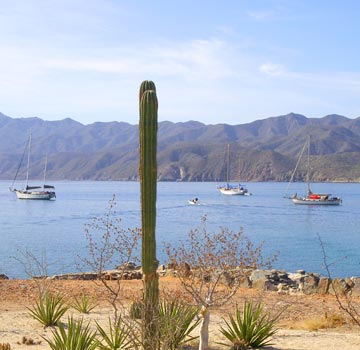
(116, 337)
(48, 309)
(84, 304)
(77, 336)
(177, 321)
(252, 328)
(148, 126)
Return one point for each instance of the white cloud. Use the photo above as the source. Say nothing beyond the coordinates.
(262, 14)
(274, 70)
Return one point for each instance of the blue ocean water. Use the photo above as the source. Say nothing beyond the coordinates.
(55, 229)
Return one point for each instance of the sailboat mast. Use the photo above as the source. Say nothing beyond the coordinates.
(46, 160)
(228, 164)
(28, 163)
(308, 167)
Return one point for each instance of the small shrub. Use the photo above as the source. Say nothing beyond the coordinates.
(334, 320)
(118, 336)
(29, 341)
(176, 322)
(136, 310)
(323, 322)
(77, 336)
(84, 304)
(252, 329)
(5, 346)
(48, 309)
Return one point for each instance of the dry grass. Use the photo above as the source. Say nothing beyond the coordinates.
(302, 313)
(320, 322)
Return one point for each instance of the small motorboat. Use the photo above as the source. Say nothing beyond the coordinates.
(194, 201)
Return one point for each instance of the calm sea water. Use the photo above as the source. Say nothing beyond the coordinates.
(55, 229)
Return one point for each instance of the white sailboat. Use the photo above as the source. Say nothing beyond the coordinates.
(44, 192)
(312, 198)
(228, 189)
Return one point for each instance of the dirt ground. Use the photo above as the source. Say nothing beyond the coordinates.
(307, 322)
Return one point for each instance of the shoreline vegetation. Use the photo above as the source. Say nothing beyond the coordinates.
(274, 280)
(311, 321)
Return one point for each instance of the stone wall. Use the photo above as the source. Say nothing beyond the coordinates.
(302, 282)
(279, 281)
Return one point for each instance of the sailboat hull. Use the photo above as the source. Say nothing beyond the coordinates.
(35, 195)
(310, 201)
(312, 198)
(233, 191)
(33, 192)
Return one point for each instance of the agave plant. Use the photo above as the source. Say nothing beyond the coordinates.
(251, 328)
(84, 304)
(177, 321)
(77, 336)
(49, 309)
(117, 337)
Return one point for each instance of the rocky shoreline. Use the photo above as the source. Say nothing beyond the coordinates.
(280, 281)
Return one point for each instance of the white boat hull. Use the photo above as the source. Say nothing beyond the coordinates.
(44, 192)
(35, 195)
(233, 191)
(308, 201)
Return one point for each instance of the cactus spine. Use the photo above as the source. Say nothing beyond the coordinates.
(148, 176)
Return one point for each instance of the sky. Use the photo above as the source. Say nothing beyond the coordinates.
(230, 61)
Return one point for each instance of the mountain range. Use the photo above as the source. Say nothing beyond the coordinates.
(263, 150)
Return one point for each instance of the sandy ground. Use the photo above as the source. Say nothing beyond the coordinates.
(301, 314)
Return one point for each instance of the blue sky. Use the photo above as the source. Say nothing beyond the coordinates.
(212, 61)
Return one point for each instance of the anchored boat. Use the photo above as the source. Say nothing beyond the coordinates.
(44, 192)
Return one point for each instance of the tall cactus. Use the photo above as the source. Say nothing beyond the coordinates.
(146, 85)
(148, 176)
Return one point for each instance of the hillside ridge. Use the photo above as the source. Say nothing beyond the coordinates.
(263, 150)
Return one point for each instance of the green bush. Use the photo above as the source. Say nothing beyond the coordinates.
(48, 309)
(136, 309)
(77, 336)
(251, 329)
(118, 336)
(84, 304)
(176, 322)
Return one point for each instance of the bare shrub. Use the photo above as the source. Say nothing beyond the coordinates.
(212, 266)
(344, 299)
(109, 244)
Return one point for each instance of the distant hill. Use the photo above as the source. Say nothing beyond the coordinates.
(264, 150)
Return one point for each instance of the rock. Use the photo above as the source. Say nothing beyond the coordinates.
(259, 275)
(355, 290)
(265, 285)
(282, 288)
(3, 277)
(311, 283)
(126, 266)
(161, 268)
(86, 276)
(339, 286)
(323, 285)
